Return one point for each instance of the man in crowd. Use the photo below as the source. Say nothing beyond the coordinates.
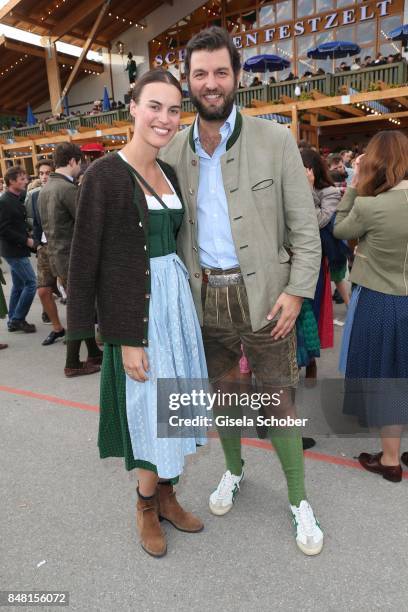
(46, 281)
(356, 65)
(251, 244)
(16, 246)
(347, 156)
(57, 207)
(337, 171)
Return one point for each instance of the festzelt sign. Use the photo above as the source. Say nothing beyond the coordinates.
(317, 23)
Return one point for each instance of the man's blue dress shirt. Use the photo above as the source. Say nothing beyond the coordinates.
(216, 246)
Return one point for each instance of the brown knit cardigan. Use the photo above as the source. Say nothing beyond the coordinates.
(109, 262)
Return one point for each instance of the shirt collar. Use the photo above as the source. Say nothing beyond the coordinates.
(225, 130)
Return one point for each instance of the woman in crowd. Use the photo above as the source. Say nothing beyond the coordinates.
(334, 262)
(375, 357)
(124, 254)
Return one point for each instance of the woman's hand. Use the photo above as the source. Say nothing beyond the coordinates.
(310, 176)
(135, 362)
(356, 174)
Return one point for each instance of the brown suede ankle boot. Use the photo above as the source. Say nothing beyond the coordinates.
(151, 535)
(171, 511)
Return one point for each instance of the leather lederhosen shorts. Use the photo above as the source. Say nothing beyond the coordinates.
(227, 326)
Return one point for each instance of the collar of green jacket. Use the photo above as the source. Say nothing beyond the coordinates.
(231, 140)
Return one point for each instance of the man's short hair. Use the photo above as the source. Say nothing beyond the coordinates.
(334, 158)
(44, 162)
(344, 151)
(13, 173)
(64, 152)
(212, 39)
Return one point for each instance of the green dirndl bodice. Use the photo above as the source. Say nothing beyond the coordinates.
(3, 304)
(114, 439)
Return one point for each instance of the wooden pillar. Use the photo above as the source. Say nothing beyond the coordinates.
(295, 124)
(53, 75)
(110, 71)
(34, 154)
(2, 161)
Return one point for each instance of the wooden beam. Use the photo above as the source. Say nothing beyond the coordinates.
(75, 17)
(367, 96)
(46, 27)
(11, 4)
(295, 124)
(325, 113)
(366, 118)
(53, 76)
(85, 49)
(34, 50)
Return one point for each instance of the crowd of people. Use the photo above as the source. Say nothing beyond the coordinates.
(356, 64)
(223, 266)
(97, 108)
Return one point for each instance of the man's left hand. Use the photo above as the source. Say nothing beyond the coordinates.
(289, 306)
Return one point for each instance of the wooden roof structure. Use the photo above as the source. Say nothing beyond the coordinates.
(88, 24)
(23, 74)
(72, 20)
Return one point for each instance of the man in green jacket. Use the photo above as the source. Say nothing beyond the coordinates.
(251, 244)
(57, 205)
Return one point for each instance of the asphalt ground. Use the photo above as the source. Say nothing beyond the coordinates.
(67, 520)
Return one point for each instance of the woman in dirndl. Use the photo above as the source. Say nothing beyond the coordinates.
(374, 355)
(150, 202)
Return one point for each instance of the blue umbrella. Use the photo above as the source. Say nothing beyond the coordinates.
(31, 119)
(265, 63)
(400, 33)
(105, 104)
(333, 50)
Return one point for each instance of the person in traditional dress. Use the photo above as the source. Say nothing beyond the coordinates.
(124, 255)
(374, 354)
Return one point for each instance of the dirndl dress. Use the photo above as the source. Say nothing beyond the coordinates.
(128, 420)
(376, 359)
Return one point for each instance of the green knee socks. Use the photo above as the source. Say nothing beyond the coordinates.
(289, 449)
(232, 452)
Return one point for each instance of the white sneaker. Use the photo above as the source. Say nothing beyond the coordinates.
(222, 500)
(309, 536)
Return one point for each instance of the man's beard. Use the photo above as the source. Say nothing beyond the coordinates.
(220, 113)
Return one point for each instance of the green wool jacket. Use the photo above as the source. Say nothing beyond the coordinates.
(381, 224)
(57, 206)
(271, 211)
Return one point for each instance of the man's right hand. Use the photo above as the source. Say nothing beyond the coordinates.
(135, 362)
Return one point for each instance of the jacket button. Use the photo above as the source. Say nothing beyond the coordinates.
(140, 224)
(191, 221)
(191, 191)
(147, 272)
(195, 249)
(145, 247)
(193, 162)
(197, 275)
(144, 341)
(145, 319)
(147, 295)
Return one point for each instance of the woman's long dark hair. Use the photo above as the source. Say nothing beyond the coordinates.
(312, 159)
(384, 164)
